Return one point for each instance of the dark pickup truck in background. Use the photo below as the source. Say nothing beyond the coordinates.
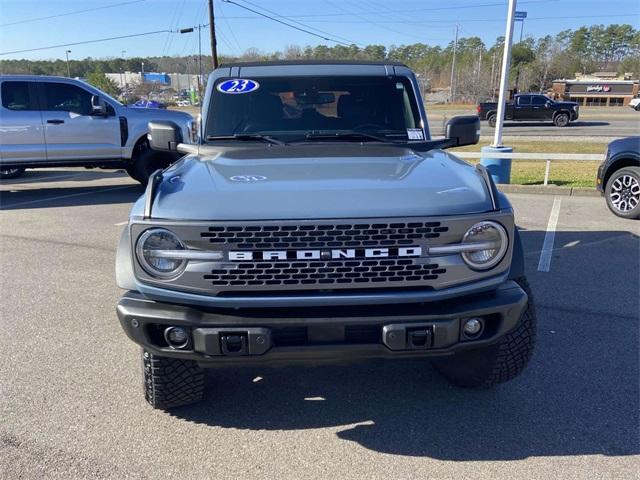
(527, 107)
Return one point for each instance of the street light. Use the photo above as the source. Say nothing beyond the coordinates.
(191, 30)
(519, 17)
(67, 52)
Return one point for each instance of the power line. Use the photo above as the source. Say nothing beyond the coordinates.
(86, 42)
(409, 10)
(299, 23)
(285, 23)
(75, 12)
(449, 25)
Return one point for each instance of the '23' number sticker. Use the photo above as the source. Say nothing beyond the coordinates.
(238, 85)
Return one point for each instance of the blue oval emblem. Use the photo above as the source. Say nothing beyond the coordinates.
(238, 85)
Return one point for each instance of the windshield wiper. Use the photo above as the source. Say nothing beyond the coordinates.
(246, 136)
(347, 135)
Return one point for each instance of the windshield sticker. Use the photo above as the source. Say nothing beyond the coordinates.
(238, 85)
(415, 134)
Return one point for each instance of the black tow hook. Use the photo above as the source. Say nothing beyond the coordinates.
(234, 344)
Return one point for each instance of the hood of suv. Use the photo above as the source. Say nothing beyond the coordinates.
(318, 181)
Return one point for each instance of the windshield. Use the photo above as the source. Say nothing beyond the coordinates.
(304, 107)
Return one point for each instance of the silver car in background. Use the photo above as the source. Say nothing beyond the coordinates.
(57, 121)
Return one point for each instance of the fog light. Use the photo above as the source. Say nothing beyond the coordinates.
(176, 337)
(472, 327)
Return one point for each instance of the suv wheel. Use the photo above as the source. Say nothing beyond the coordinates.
(561, 120)
(171, 382)
(7, 173)
(623, 192)
(497, 363)
(492, 120)
(145, 161)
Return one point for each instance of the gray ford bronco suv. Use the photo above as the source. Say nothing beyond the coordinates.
(317, 220)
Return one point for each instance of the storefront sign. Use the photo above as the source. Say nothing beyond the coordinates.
(598, 88)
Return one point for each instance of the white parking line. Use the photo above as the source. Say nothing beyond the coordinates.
(121, 223)
(544, 265)
(40, 200)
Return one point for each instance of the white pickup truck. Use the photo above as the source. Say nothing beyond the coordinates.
(60, 122)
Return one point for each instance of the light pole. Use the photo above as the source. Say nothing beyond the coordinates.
(122, 57)
(519, 17)
(500, 168)
(67, 52)
(190, 30)
(504, 75)
(452, 86)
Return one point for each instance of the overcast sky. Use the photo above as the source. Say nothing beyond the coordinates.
(351, 21)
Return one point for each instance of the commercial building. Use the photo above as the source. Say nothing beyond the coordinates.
(178, 81)
(606, 89)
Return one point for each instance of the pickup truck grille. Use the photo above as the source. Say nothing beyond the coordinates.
(323, 236)
(326, 274)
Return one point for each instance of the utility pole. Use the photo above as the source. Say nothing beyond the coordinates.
(67, 52)
(452, 87)
(493, 76)
(212, 32)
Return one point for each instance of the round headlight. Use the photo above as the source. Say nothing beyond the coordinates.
(492, 243)
(152, 248)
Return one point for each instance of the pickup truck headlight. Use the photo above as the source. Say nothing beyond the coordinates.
(155, 251)
(492, 242)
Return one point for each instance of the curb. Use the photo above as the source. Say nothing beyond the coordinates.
(550, 190)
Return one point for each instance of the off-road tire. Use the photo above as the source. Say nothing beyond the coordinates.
(8, 173)
(145, 161)
(492, 119)
(561, 120)
(497, 363)
(631, 174)
(171, 382)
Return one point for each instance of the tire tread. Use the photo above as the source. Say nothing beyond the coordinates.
(171, 382)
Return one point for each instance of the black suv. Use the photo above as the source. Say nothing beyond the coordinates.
(619, 177)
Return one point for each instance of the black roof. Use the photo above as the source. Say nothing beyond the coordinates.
(311, 62)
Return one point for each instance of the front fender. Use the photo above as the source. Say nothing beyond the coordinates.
(125, 278)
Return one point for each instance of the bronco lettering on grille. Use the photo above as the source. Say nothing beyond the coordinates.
(325, 254)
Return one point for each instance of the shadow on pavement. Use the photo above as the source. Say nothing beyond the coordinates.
(70, 196)
(67, 175)
(579, 396)
(550, 124)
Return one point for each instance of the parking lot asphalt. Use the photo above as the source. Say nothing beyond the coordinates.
(71, 403)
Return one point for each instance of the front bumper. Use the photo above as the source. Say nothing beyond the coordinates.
(224, 337)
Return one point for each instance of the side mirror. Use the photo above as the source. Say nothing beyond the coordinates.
(548, 104)
(463, 130)
(98, 106)
(164, 136)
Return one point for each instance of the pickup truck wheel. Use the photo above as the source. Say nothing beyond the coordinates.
(145, 161)
(492, 120)
(561, 120)
(623, 192)
(7, 173)
(171, 382)
(497, 363)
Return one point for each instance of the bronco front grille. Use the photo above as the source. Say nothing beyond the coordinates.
(354, 272)
(322, 236)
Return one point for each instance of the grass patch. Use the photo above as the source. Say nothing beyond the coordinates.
(562, 173)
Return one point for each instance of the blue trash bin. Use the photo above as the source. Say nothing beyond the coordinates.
(499, 168)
